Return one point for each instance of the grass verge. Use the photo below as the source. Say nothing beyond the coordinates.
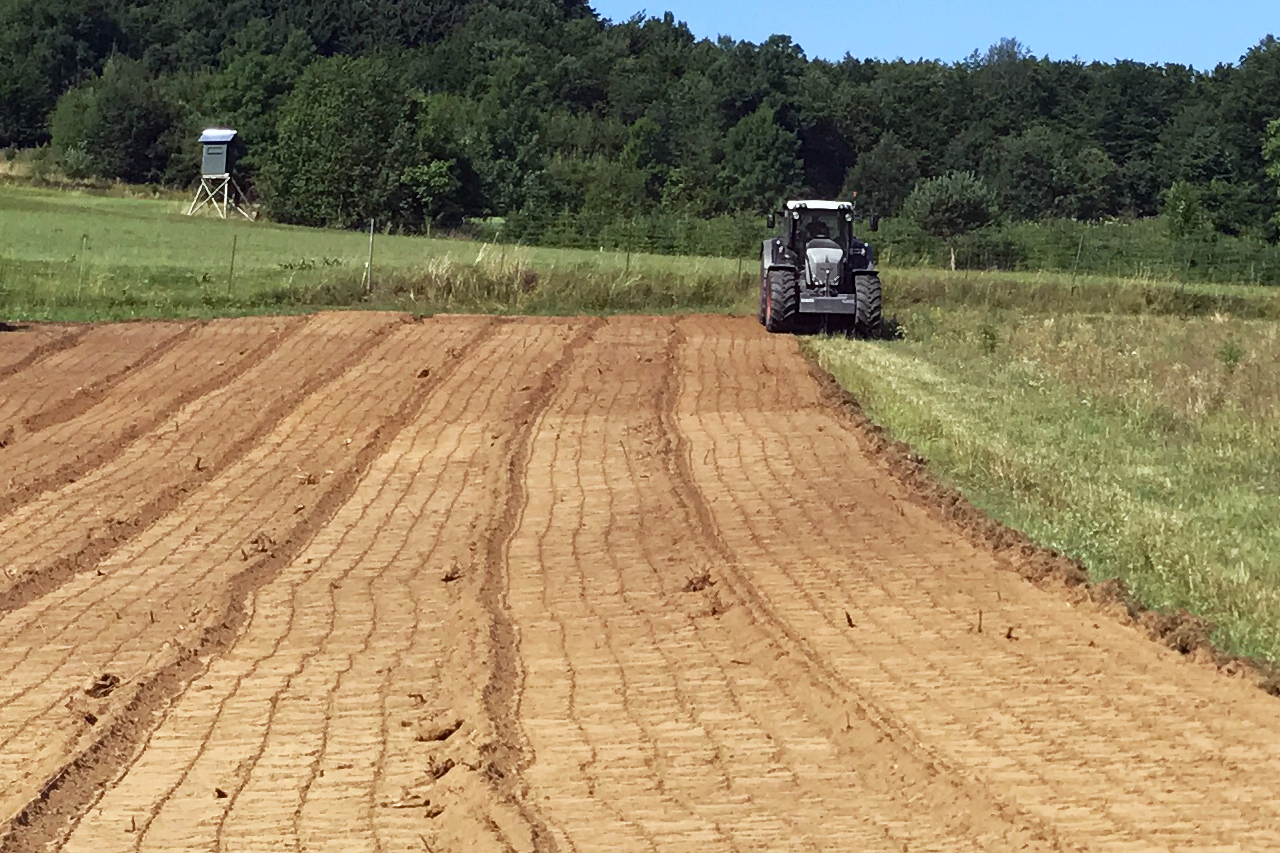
(1146, 448)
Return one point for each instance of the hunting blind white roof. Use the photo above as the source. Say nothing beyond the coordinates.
(217, 135)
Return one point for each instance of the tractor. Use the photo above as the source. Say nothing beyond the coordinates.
(816, 275)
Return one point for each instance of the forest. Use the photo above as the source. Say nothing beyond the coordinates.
(570, 129)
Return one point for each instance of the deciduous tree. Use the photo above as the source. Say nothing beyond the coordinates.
(950, 206)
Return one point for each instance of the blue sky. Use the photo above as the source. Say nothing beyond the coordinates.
(1201, 34)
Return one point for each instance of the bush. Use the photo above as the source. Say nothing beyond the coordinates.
(728, 236)
(120, 123)
(354, 143)
(77, 164)
(332, 163)
(951, 205)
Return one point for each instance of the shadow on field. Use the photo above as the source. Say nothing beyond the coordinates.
(10, 327)
(890, 330)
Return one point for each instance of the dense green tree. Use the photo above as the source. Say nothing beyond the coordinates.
(1271, 153)
(761, 163)
(1184, 212)
(1088, 181)
(1046, 171)
(884, 176)
(925, 103)
(257, 72)
(341, 157)
(446, 148)
(951, 206)
(1125, 111)
(817, 121)
(542, 109)
(1194, 148)
(46, 47)
(1007, 92)
(646, 152)
(123, 124)
(1025, 169)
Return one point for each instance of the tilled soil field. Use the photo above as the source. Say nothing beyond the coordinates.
(355, 582)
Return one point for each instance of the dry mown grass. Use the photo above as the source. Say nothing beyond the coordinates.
(1194, 367)
(1146, 447)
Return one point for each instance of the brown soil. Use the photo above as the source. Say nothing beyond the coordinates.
(358, 582)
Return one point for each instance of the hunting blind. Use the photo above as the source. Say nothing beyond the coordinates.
(217, 187)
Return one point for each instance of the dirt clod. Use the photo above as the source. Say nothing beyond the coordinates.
(699, 582)
(103, 685)
(261, 543)
(437, 769)
(437, 731)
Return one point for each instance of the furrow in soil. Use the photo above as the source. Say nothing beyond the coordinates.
(176, 598)
(359, 582)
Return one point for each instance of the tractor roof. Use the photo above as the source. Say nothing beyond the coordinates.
(819, 205)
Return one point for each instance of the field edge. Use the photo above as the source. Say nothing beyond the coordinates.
(1179, 629)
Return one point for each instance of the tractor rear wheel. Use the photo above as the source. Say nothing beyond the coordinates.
(782, 309)
(868, 320)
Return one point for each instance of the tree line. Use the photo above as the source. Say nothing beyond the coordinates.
(541, 113)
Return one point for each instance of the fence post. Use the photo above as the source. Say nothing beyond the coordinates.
(84, 248)
(368, 269)
(231, 274)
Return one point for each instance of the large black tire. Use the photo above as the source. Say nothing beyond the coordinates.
(868, 321)
(782, 311)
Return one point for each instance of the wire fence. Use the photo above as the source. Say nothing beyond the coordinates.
(1139, 249)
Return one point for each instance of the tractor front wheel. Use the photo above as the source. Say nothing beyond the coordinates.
(782, 308)
(868, 320)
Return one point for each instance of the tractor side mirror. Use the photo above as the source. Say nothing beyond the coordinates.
(771, 220)
(875, 222)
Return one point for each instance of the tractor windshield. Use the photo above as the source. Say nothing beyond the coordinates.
(820, 225)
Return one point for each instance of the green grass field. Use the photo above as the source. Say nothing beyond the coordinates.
(1131, 424)
(79, 256)
(76, 256)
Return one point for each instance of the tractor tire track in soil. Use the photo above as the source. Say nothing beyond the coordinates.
(377, 397)
(552, 584)
(197, 365)
(149, 478)
(23, 346)
(91, 371)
